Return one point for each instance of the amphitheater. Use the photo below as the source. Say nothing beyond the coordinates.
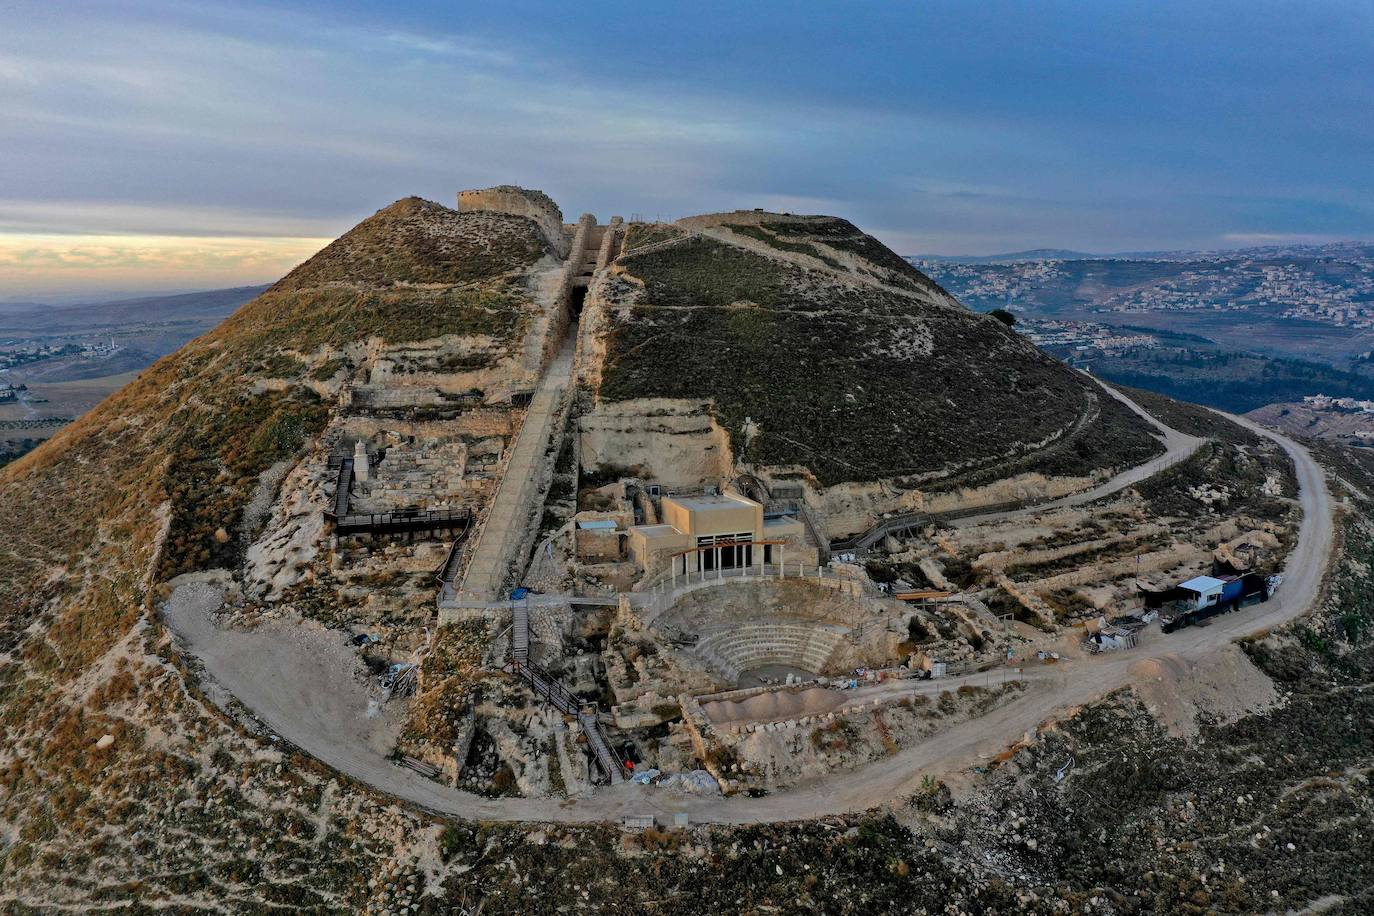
(805, 647)
(747, 630)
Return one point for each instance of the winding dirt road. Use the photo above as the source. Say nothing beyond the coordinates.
(299, 682)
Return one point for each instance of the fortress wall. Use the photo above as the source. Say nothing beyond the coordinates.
(535, 205)
(485, 422)
(561, 317)
(478, 422)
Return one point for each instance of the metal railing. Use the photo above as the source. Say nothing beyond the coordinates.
(401, 521)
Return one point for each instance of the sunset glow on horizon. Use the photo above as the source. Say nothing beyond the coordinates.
(36, 264)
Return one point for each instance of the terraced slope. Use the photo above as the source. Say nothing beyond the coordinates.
(154, 482)
(854, 365)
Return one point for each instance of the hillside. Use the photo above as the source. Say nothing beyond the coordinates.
(184, 523)
(1330, 419)
(848, 362)
(164, 467)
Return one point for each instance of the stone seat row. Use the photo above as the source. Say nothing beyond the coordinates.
(803, 646)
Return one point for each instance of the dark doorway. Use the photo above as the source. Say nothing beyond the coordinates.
(575, 300)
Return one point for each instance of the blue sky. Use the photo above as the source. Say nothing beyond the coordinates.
(171, 146)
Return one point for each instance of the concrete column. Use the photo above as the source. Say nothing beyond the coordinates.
(782, 562)
(360, 469)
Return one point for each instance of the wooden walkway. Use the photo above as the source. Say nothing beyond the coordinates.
(565, 701)
(448, 573)
(404, 521)
(398, 521)
(343, 489)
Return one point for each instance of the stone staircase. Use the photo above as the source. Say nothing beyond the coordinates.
(522, 486)
(515, 509)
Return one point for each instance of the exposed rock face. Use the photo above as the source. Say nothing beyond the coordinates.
(280, 558)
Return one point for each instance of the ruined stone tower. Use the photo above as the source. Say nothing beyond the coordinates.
(536, 205)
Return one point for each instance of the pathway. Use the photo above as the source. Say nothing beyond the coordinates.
(522, 487)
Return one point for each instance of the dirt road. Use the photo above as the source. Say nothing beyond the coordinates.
(292, 680)
(1177, 447)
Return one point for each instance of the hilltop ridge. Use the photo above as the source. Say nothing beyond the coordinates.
(846, 363)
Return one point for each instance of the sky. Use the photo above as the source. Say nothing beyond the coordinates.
(150, 146)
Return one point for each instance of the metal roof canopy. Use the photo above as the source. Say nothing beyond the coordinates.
(1202, 584)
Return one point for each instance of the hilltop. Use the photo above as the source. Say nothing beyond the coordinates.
(847, 364)
(259, 625)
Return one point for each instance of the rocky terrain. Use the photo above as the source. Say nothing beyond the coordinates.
(799, 350)
(1353, 427)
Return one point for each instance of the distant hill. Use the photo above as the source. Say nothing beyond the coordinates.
(1034, 254)
(210, 305)
(1259, 252)
(1232, 381)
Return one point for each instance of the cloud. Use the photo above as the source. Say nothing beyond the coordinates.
(41, 265)
(453, 46)
(60, 218)
(947, 127)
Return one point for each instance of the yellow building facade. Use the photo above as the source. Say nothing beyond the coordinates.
(710, 532)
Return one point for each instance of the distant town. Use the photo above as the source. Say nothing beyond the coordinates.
(1325, 402)
(1332, 284)
(1069, 337)
(14, 353)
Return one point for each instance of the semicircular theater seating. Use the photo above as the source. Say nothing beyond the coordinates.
(798, 644)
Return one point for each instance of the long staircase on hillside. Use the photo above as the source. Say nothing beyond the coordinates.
(501, 540)
(503, 535)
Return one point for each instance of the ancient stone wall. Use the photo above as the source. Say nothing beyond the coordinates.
(597, 546)
(535, 205)
(477, 422)
(675, 443)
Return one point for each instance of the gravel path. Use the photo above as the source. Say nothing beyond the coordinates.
(305, 683)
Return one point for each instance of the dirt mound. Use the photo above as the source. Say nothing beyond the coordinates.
(1222, 686)
(847, 365)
